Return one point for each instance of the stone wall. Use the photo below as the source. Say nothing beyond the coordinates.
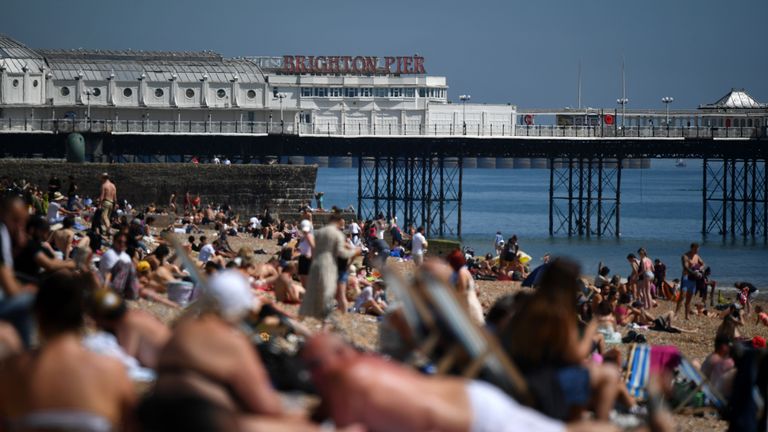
(247, 188)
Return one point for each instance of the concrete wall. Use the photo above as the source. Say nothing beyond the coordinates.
(247, 188)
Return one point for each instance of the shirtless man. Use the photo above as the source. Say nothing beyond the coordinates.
(107, 200)
(208, 356)
(63, 239)
(692, 266)
(139, 333)
(364, 389)
(286, 289)
(62, 382)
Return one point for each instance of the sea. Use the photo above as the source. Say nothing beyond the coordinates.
(661, 210)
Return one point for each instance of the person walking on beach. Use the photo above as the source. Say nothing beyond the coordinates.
(692, 266)
(324, 272)
(107, 200)
(418, 245)
(498, 243)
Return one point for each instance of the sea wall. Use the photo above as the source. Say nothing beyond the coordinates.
(247, 188)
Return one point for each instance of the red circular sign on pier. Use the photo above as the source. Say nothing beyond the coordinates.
(528, 119)
(608, 119)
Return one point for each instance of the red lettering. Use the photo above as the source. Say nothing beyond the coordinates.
(321, 63)
(399, 65)
(388, 62)
(418, 68)
(311, 65)
(407, 65)
(346, 65)
(288, 66)
(300, 66)
(333, 64)
(370, 64)
(358, 64)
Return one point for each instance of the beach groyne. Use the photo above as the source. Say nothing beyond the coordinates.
(247, 188)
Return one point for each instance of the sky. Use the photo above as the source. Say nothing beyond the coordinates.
(498, 51)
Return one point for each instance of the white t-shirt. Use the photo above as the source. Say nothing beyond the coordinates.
(255, 223)
(53, 212)
(206, 252)
(417, 244)
(354, 228)
(109, 259)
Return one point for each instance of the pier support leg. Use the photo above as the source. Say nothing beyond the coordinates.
(735, 197)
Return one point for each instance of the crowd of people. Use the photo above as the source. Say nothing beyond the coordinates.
(75, 339)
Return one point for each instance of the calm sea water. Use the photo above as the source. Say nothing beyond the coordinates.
(661, 211)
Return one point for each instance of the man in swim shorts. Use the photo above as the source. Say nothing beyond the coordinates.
(692, 266)
(380, 395)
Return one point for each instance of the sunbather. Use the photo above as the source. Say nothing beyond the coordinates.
(62, 385)
(359, 388)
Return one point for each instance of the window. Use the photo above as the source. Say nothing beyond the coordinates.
(251, 94)
(64, 91)
(409, 92)
(96, 91)
(395, 92)
(34, 83)
(127, 92)
(335, 92)
(422, 92)
(320, 91)
(190, 93)
(306, 92)
(350, 92)
(221, 93)
(382, 92)
(366, 92)
(15, 83)
(159, 93)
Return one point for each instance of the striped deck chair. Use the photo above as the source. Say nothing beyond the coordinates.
(638, 370)
(702, 384)
(465, 338)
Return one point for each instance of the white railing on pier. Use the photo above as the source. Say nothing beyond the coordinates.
(359, 128)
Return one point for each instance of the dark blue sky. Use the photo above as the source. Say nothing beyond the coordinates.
(526, 53)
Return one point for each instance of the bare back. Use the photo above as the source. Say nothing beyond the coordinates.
(65, 376)
(108, 191)
(143, 336)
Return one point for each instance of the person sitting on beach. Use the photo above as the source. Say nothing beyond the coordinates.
(543, 339)
(603, 278)
(208, 356)
(363, 389)
(37, 257)
(138, 332)
(371, 300)
(719, 367)
(61, 385)
(733, 318)
(286, 289)
(63, 239)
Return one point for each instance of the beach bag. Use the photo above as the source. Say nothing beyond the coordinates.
(180, 292)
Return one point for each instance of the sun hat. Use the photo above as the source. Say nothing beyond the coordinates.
(57, 196)
(231, 292)
(305, 226)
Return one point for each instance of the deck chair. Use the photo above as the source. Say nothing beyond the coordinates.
(463, 336)
(639, 370)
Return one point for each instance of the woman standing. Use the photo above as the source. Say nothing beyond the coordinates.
(306, 246)
(645, 276)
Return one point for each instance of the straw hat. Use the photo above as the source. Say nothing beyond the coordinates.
(57, 196)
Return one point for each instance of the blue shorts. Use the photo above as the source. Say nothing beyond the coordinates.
(688, 285)
(574, 382)
(343, 277)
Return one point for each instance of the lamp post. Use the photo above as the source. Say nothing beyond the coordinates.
(464, 99)
(623, 102)
(667, 100)
(280, 97)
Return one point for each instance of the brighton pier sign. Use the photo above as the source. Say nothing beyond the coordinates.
(362, 65)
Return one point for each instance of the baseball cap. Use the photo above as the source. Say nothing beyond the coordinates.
(231, 292)
(305, 226)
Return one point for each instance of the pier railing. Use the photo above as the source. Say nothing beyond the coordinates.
(352, 129)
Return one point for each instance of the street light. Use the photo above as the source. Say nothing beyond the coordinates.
(280, 96)
(667, 100)
(464, 99)
(88, 92)
(623, 102)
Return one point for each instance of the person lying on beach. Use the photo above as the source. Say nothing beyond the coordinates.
(61, 385)
(379, 395)
(208, 356)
